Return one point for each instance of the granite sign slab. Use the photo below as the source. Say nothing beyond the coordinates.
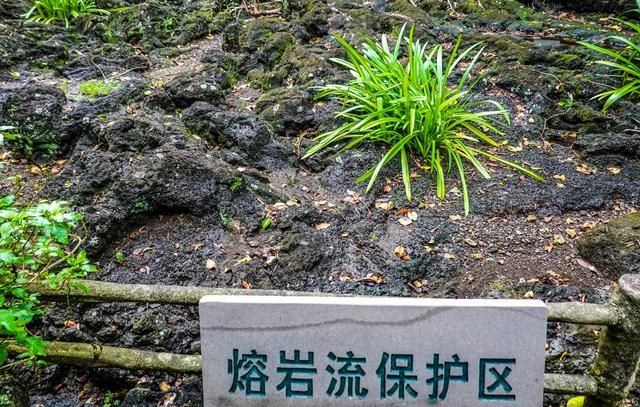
(363, 351)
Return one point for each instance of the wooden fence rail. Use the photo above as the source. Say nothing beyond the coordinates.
(607, 384)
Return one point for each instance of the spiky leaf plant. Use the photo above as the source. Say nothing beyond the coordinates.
(626, 63)
(416, 106)
(53, 11)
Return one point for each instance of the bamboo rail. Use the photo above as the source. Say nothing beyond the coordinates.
(99, 291)
(607, 385)
(91, 355)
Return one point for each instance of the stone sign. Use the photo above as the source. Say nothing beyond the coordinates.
(363, 351)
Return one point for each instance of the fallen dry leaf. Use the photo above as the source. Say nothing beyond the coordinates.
(555, 278)
(401, 253)
(587, 265)
(167, 400)
(373, 278)
(246, 285)
(571, 233)
(548, 247)
(559, 239)
(532, 218)
(404, 221)
(471, 242)
(412, 215)
(560, 177)
(455, 217)
(72, 324)
(322, 226)
(528, 295)
(164, 386)
(449, 256)
(614, 170)
(384, 205)
(585, 169)
(210, 264)
(588, 225)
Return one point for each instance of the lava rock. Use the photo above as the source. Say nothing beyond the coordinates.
(209, 85)
(609, 143)
(12, 394)
(613, 248)
(138, 397)
(287, 110)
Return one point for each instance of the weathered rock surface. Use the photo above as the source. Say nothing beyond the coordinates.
(614, 248)
(12, 393)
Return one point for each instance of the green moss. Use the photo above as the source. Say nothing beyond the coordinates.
(98, 88)
(275, 48)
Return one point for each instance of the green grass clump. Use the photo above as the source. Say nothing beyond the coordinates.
(96, 88)
(626, 62)
(53, 11)
(415, 107)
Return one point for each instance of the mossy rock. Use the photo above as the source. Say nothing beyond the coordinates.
(12, 394)
(614, 248)
(271, 53)
(256, 33)
(287, 110)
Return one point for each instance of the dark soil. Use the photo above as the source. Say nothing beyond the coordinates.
(202, 140)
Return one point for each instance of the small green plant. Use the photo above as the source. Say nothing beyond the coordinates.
(38, 244)
(97, 88)
(236, 183)
(566, 102)
(119, 257)
(265, 223)
(227, 221)
(140, 206)
(109, 401)
(53, 11)
(626, 63)
(8, 133)
(414, 108)
(29, 141)
(64, 87)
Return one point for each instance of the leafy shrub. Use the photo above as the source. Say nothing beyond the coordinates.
(53, 11)
(626, 62)
(29, 141)
(96, 88)
(414, 107)
(37, 245)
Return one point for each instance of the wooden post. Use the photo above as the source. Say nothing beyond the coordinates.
(618, 357)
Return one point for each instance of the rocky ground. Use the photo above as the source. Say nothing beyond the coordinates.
(201, 141)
